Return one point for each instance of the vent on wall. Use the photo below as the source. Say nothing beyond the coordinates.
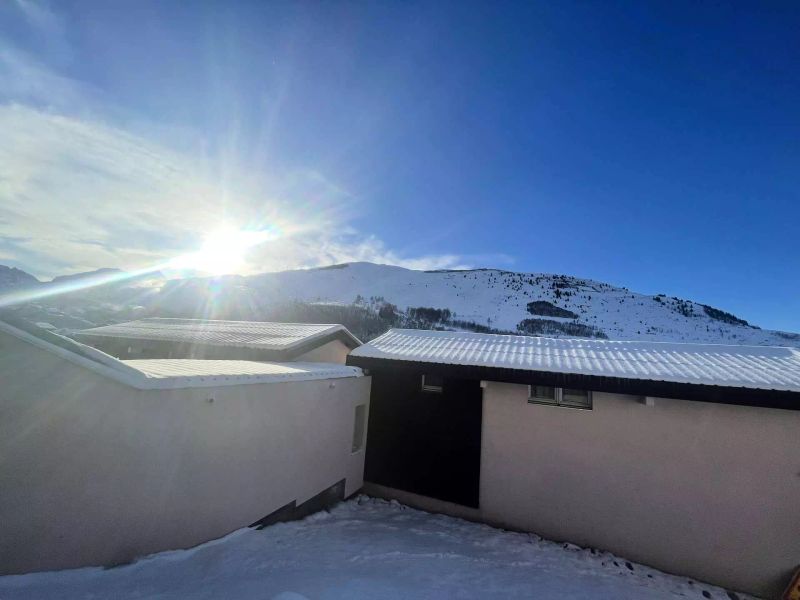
(432, 383)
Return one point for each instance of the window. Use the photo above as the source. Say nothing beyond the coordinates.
(542, 394)
(359, 426)
(576, 398)
(432, 383)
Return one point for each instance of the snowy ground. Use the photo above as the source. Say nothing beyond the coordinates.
(368, 548)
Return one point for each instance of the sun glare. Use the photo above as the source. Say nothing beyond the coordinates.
(224, 251)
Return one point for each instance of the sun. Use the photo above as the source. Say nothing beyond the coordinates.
(224, 251)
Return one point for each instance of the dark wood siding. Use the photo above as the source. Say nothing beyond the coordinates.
(425, 442)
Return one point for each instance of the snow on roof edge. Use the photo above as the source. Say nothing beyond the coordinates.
(694, 370)
(191, 373)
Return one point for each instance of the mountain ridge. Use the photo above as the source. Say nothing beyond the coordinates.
(369, 298)
(495, 300)
(12, 277)
(97, 273)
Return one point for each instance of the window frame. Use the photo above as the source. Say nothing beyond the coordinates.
(541, 399)
(558, 399)
(431, 388)
(359, 428)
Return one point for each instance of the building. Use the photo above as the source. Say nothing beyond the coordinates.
(103, 460)
(207, 339)
(681, 456)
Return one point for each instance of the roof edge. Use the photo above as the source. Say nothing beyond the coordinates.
(82, 356)
(117, 370)
(435, 332)
(223, 380)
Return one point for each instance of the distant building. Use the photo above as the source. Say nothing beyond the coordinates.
(104, 460)
(207, 339)
(681, 456)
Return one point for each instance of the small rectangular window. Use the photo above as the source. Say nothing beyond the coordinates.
(542, 394)
(359, 426)
(432, 383)
(576, 398)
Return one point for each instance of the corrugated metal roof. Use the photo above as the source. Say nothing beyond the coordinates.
(756, 367)
(240, 334)
(193, 373)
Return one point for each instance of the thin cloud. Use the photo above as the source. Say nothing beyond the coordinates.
(48, 26)
(81, 195)
(39, 14)
(78, 191)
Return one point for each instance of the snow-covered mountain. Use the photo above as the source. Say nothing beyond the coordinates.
(483, 299)
(88, 275)
(370, 298)
(13, 278)
(76, 301)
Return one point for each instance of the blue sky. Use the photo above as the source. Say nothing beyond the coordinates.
(655, 146)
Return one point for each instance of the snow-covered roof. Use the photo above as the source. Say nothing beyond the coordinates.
(240, 334)
(174, 373)
(200, 373)
(754, 367)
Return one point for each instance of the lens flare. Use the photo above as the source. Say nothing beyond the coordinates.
(224, 251)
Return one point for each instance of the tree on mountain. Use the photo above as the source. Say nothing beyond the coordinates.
(388, 312)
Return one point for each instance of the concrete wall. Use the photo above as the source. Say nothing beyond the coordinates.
(710, 491)
(93, 472)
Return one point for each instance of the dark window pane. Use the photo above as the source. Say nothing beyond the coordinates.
(580, 398)
(542, 393)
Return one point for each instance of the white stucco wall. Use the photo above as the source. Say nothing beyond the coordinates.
(334, 351)
(711, 491)
(95, 472)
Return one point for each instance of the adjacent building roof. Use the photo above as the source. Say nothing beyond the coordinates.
(197, 373)
(592, 361)
(173, 373)
(257, 335)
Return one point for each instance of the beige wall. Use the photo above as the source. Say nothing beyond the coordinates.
(710, 491)
(95, 472)
(334, 351)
